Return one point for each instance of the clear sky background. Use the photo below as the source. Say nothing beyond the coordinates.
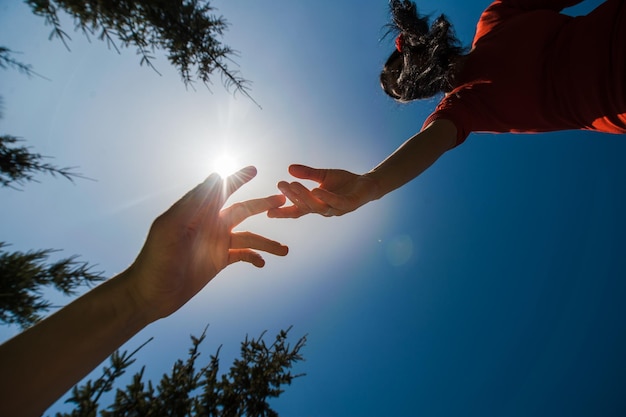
(492, 285)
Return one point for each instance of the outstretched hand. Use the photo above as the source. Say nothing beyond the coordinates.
(194, 240)
(339, 192)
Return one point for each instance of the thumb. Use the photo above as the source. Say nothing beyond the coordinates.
(307, 173)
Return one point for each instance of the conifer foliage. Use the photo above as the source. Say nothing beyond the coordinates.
(25, 275)
(256, 376)
(19, 164)
(187, 30)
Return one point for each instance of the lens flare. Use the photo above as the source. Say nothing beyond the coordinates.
(225, 164)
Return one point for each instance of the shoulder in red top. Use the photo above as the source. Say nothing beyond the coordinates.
(533, 69)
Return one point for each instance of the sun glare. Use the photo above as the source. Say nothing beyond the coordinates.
(225, 164)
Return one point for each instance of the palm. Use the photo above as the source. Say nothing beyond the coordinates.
(193, 241)
(338, 181)
(339, 192)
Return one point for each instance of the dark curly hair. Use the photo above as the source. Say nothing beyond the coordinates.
(427, 62)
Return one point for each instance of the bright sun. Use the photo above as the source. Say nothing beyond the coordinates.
(225, 164)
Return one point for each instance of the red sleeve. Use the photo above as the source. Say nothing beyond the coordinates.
(442, 113)
(527, 5)
(501, 10)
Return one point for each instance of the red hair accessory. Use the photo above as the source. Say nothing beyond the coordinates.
(400, 42)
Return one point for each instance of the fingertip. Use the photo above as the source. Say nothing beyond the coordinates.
(239, 178)
(280, 200)
(294, 168)
(283, 187)
(275, 202)
(246, 255)
(305, 172)
(248, 172)
(212, 178)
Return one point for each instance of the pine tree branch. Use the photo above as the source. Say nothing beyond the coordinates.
(7, 61)
(18, 164)
(23, 275)
(187, 392)
(186, 30)
(86, 397)
(48, 10)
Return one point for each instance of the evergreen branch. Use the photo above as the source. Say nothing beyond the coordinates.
(119, 363)
(23, 275)
(7, 61)
(48, 10)
(187, 30)
(104, 34)
(18, 164)
(87, 397)
(234, 394)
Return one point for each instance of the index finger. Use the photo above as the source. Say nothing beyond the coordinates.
(238, 212)
(233, 182)
(210, 195)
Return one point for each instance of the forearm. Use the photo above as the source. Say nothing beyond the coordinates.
(45, 361)
(412, 158)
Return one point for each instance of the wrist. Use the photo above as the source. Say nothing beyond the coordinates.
(131, 306)
(374, 186)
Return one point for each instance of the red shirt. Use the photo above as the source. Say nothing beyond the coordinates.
(533, 69)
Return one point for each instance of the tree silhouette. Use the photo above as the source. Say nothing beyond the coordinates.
(187, 30)
(256, 376)
(18, 164)
(23, 276)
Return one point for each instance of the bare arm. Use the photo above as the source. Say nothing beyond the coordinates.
(341, 191)
(42, 363)
(186, 247)
(414, 156)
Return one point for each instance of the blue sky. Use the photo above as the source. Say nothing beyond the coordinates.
(491, 285)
